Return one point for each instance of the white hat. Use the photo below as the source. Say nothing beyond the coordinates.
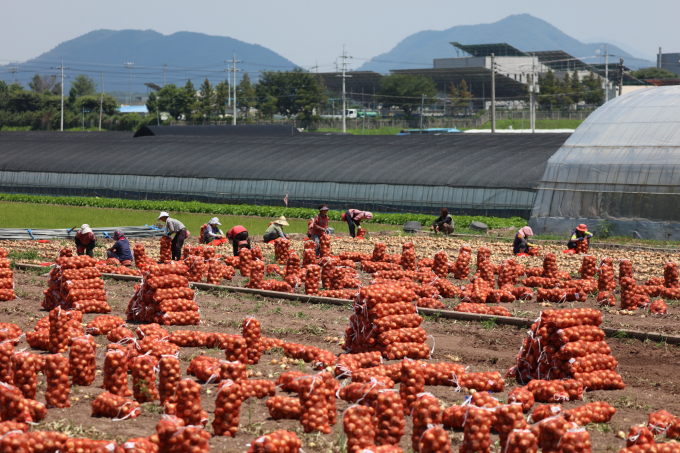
(85, 228)
(163, 214)
(281, 221)
(214, 221)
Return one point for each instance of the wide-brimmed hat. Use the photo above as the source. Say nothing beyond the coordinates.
(281, 221)
(163, 214)
(324, 208)
(85, 228)
(214, 221)
(582, 227)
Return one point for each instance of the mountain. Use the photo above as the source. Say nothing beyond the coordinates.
(187, 55)
(522, 31)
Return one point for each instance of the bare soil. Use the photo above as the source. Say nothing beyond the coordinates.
(649, 370)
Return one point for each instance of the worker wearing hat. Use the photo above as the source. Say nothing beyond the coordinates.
(85, 241)
(320, 226)
(354, 217)
(274, 230)
(212, 232)
(174, 226)
(238, 236)
(121, 249)
(581, 233)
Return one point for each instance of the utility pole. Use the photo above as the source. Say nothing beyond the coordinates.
(130, 66)
(620, 76)
(493, 94)
(606, 75)
(234, 70)
(164, 68)
(534, 91)
(344, 76)
(62, 92)
(13, 70)
(101, 103)
(422, 107)
(658, 62)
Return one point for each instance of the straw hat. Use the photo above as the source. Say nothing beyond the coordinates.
(281, 221)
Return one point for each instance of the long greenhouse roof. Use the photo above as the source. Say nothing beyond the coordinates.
(459, 160)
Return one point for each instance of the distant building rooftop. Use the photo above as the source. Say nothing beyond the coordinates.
(133, 109)
(485, 50)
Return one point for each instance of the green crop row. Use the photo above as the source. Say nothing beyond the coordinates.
(250, 210)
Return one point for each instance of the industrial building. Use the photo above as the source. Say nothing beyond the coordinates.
(480, 174)
(619, 170)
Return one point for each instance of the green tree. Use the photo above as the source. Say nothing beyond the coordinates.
(295, 92)
(152, 103)
(549, 88)
(83, 85)
(592, 89)
(654, 73)
(130, 121)
(405, 91)
(189, 100)
(169, 100)
(109, 104)
(460, 96)
(222, 96)
(245, 94)
(576, 91)
(4, 88)
(207, 98)
(47, 83)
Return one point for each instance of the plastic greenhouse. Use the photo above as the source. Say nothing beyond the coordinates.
(620, 170)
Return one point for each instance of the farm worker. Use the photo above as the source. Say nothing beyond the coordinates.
(354, 217)
(212, 232)
(310, 231)
(121, 249)
(238, 236)
(521, 243)
(274, 231)
(581, 233)
(174, 226)
(443, 223)
(85, 241)
(320, 226)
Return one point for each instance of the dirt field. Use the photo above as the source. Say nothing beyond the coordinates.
(649, 370)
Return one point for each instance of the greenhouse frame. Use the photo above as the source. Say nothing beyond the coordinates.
(619, 171)
(475, 174)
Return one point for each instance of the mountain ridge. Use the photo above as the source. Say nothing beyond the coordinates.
(187, 55)
(522, 31)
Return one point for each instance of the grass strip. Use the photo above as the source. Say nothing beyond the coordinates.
(196, 207)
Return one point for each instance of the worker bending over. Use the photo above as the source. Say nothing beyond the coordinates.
(212, 232)
(320, 226)
(274, 231)
(521, 243)
(581, 233)
(85, 241)
(354, 217)
(238, 236)
(443, 223)
(121, 249)
(174, 226)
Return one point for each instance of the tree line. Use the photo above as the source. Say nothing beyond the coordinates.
(292, 94)
(38, 107)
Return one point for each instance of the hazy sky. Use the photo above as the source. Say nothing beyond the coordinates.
(311, 31)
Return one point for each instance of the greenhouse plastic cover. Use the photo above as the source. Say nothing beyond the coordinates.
(458, 160)
(622, 166)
